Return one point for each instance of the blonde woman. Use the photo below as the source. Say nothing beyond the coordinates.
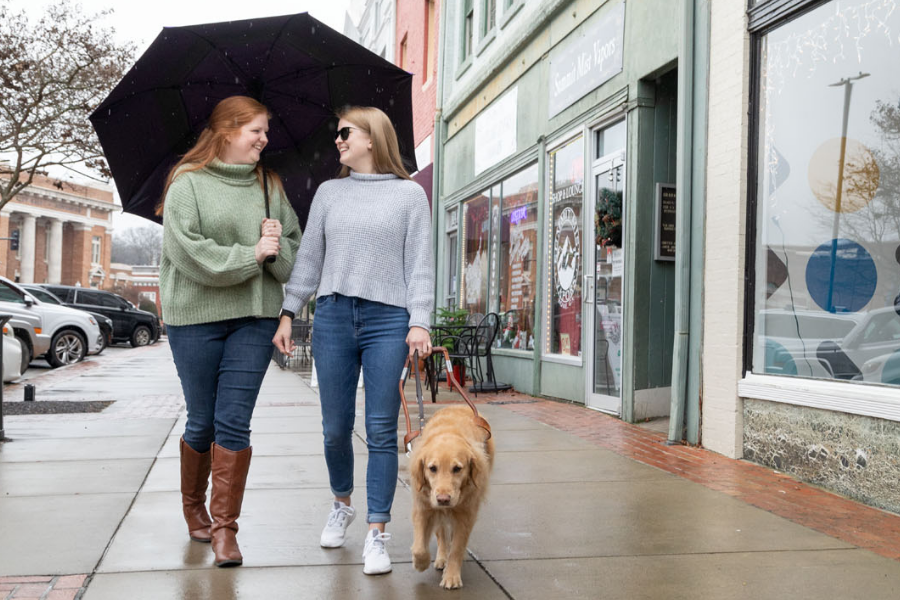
(366, 254)
(221, 300)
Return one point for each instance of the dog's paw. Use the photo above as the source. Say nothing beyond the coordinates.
(451, 581)
(421, 560)
(440, 562)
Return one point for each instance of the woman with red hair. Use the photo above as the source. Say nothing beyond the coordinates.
(221, 299)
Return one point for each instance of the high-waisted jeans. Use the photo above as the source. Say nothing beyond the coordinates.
(221, 366)
(350, 332)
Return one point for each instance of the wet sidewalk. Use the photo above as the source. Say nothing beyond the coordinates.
(581, 506)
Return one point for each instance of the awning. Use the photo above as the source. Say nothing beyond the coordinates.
(424, 179)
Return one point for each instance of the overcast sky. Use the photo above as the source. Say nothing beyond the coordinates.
(139, 22)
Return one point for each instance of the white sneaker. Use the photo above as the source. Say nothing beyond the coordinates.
(375, 553)
(340, 518)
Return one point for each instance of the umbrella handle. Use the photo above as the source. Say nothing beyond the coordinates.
(269, 259)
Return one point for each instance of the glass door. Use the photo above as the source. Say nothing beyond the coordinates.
(605, 284)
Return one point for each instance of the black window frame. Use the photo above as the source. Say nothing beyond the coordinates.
(763, 17)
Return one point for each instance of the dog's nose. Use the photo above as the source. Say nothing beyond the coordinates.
(443, 499)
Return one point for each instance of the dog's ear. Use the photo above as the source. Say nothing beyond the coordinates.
(417, 473)
(474, 470)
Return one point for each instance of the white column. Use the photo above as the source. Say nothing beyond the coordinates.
(26, 246)
(54, 267)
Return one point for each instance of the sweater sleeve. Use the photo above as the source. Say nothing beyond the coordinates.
(307, 270)
(290, 241)
(418, 263)
(198, 258)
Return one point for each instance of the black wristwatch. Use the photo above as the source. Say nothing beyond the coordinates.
(287, 313)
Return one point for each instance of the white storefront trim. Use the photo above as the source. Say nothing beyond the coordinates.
(562, 359)
(855, 398)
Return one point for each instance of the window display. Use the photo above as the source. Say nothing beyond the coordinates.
(565, 261)
(519, 273)
(476, 239)
(827, 301)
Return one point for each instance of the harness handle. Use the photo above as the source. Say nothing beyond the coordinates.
(410, 434)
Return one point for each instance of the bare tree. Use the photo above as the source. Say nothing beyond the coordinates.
(138, 245)
(53, 74)
(874, 176)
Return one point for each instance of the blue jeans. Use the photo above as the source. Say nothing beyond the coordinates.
(350, 332)
(221, 366)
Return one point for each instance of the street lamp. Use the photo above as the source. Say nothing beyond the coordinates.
(847, 83)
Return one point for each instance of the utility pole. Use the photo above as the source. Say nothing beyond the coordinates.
(847, 83)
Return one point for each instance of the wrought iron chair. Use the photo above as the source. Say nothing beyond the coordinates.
(479, 346)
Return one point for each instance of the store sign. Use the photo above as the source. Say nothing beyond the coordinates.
(495, 131)
(664, 248)
(567, 257)
(590, 59)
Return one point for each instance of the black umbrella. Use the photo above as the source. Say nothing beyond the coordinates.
(299, 68)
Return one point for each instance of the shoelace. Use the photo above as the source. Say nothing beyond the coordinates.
(375, 543)
(338, 516)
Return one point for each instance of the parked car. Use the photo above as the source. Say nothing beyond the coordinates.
(12, 355)
(865, 353)
(105, 323)
(28, 329)
(73, 334)
(792, 340)
(138, 327)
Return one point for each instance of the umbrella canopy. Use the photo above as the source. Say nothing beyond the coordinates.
(299, 68)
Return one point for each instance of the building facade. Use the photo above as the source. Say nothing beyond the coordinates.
(372, 23)
(558, 152)
(136, 284)
(418, 26)
(64, 234)
(801, 343)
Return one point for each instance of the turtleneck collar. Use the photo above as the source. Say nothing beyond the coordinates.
(365, 177)
(236, 174)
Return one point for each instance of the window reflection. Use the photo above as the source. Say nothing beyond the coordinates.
(565, 260)
(828, 245)
(476, 237)
(518, 260)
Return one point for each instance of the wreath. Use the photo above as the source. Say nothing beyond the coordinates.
(608, 218)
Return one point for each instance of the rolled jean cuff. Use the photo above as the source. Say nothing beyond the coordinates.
(378, 518)
(341, 494)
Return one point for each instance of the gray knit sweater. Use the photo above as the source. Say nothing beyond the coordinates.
(367, 236)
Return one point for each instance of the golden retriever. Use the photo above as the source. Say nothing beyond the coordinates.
(449, 465)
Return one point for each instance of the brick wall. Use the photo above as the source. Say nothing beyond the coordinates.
(412, 22)
(726, 187)
(41, 266)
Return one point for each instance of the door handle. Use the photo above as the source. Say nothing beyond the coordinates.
(588, 289)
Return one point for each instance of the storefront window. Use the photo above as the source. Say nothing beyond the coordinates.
(828, 189)
(565, 259)
(452, 224)
(476, 239)
(518, 260)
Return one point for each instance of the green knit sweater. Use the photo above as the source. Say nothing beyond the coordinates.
(212, 221)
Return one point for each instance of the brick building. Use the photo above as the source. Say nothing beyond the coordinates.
(136, 283)
(64, 234)
(406, 33)
(416, 52)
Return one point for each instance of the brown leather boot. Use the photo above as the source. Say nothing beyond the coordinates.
(194, 481)
(229, 477)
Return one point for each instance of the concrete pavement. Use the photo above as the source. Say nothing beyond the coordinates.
(566, 517)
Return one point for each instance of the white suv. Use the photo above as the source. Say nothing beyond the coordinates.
(73, 334)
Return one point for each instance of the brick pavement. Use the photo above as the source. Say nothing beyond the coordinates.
(775, 492)
(65, 587)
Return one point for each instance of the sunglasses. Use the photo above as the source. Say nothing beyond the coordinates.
(344, 133)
